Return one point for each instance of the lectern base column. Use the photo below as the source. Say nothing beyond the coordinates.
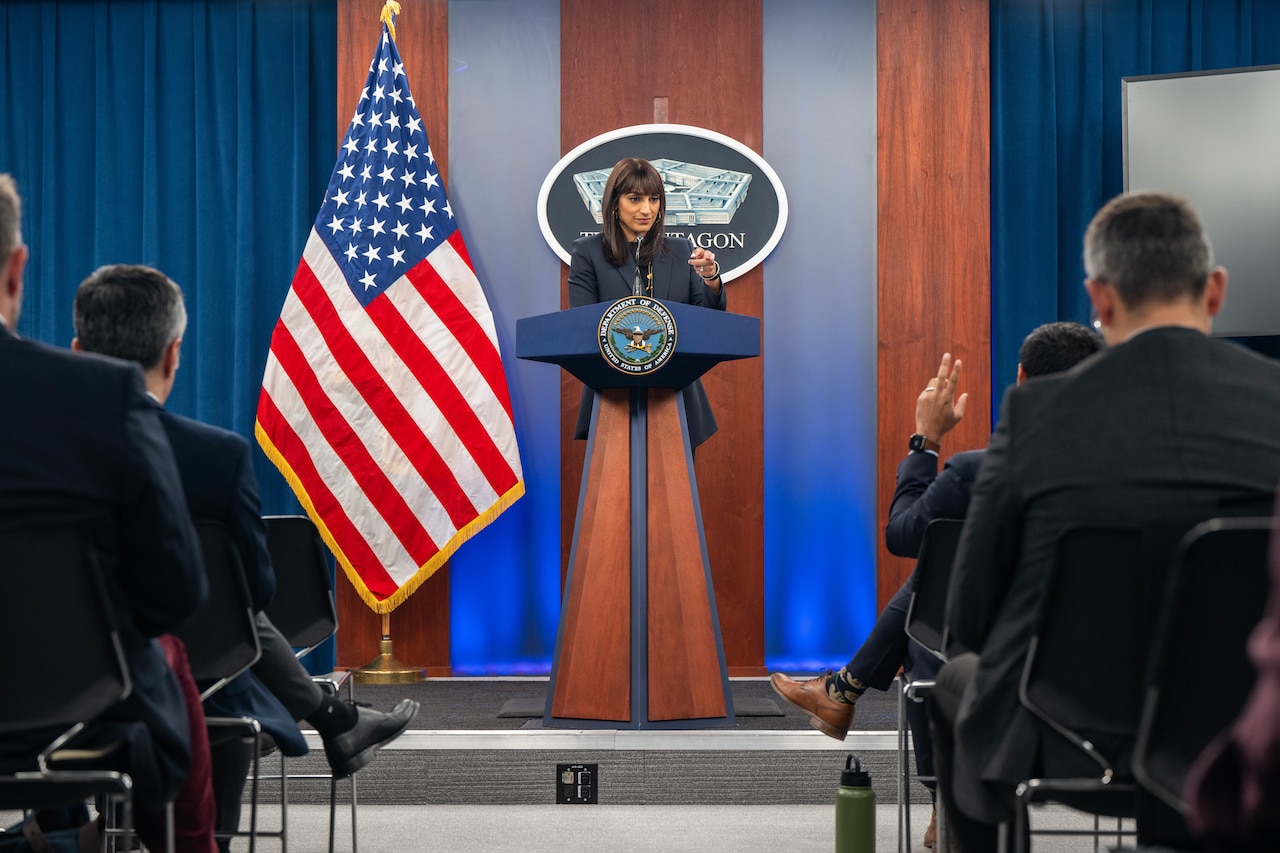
(639, 644)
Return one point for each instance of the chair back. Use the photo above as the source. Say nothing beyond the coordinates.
(303, 609)
(926, 614)
(65, 663)
(1084, 668)
(221, 636)
(1216, 596)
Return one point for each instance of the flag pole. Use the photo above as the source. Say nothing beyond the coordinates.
(385, 668)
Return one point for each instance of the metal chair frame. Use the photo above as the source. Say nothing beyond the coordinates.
(925, 616)
(71, 681)
(287, 536)
(1082, 554)
(1220, 568)
(222, 642)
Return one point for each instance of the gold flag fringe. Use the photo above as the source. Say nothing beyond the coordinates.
(424, 572)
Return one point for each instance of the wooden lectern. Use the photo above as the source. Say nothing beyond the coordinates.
(639, 642)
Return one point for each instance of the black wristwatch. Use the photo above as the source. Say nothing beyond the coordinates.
(920, 443)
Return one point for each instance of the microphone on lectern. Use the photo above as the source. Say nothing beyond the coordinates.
(636, 288)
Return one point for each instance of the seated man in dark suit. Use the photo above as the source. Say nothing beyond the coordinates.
(137, 313)
(82, 443)
(1165, 424)
(922, 495)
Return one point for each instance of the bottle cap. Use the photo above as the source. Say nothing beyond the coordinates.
(853, 776)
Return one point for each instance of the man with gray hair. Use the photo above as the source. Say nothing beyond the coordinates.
(1166, 424)
(137, 313)
(80, 442)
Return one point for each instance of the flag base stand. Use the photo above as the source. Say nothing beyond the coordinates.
(386, 669)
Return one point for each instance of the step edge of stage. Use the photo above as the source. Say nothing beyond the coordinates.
(545, 679)
(633, 740)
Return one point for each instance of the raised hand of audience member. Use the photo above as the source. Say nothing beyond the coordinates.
(938, 410)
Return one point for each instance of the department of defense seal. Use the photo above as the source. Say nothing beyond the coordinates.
(637, 335)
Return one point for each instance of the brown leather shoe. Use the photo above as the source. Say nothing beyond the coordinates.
(828, 716)
(931, 834)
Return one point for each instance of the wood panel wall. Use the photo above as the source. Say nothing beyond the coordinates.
(934, 279)
(420, 626)
(697, 63)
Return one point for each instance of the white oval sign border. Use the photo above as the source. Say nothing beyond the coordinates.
(687, 130)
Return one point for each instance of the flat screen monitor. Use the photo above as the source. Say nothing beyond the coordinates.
(1214, 137)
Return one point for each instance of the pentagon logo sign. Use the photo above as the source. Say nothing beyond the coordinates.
(721, 195)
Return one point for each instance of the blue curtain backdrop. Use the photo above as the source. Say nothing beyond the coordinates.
(1056, 132)
(197, 137)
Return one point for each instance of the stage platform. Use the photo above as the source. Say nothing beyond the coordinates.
(481, 741)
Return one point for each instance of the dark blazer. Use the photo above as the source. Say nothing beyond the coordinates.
(922, 494)
(80, 442)
(217, 475)
(592, 279)
(1169, 425)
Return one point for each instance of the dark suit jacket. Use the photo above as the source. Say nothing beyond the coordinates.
(217, 476)
(218, 480)
(80, 442)
(1169, 425)
(592, 279)
(922, 494)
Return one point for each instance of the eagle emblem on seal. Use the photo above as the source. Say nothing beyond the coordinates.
(637, 335)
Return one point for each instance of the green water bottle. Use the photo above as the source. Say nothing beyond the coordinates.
(855, 810)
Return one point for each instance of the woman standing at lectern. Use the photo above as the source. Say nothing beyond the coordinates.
(632, 249)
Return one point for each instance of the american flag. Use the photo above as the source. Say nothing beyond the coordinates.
(384, 402)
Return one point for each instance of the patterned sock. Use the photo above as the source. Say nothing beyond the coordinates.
(843, 687)
(333, 717)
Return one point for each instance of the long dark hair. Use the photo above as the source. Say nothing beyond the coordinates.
(631, 175)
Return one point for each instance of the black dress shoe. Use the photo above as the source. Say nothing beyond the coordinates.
(354, 748)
